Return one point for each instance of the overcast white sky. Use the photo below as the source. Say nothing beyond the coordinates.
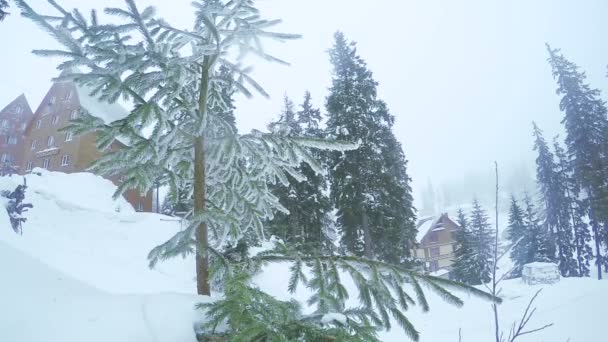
(464, 79)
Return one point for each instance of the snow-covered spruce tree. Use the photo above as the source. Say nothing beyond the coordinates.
(536, 242)
(482, 245)
(463, 254)
(577, 209)
(369, 186)
(169, 75)
(516, 232)
(586, 138)
(557, 216)
(307, 224)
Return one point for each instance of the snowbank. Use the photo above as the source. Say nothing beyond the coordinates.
(112, 295)
(41, 304)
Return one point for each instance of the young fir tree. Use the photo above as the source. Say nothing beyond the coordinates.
(516, 234)
(369, 186)
(463, 253)
(173, 89)
(586, 127)
(576, 208)
(224, 109)
(307, 224)
(482, 244)
(556, 204)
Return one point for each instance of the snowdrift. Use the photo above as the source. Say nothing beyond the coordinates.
(79, 272)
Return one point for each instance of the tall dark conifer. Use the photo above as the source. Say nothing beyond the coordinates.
(307, 225)
(586, 127)
(576, 209)
(558, 216)
(369, 186)
(464, 253)
(516, 233)
(537, 245)
(482, 245)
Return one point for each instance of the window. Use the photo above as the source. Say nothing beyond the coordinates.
(45, 163)
(23, 126)
(34, 144)
(434, 252)
(52, 100)
(65, 160)
(434, 266)
(18, 109)
(55, 120)
(29, 166)
(51, 141)
(11, 140)
(69, 136)
(140, 205)
(4, 123)
(5, 158)
(68, 96)
(74, 114)
(38, 123)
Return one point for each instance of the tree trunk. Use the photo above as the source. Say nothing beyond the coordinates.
(598, 253)
(367, 236)
(202, 258)
(202, 236)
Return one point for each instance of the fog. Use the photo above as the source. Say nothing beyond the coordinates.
(464, 79)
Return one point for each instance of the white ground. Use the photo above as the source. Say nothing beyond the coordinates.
(79, 273)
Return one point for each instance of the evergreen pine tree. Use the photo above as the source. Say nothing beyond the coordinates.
(516, 234)
(536, 245)
(482, 245)
(313, 192)
(586, 127)
(369, 186)
(463, 253)
(558, 220)
(577, 209)
(307, 224)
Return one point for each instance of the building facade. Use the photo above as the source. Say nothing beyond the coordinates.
(14, 119)
(436, 244)
(43, 144)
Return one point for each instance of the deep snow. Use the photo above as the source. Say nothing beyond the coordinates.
(79, 272)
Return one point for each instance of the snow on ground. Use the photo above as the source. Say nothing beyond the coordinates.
(79, 272)
(42, 304)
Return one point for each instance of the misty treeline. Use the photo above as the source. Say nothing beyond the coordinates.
(572, 174)
(334, 188)
(566, 221)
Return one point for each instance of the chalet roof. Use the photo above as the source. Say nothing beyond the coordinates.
(427, 224)
(424, 225)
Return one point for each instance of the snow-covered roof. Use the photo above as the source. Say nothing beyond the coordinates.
(108, 112)
(424, 225)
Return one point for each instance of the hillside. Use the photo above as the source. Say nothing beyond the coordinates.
(90, 252)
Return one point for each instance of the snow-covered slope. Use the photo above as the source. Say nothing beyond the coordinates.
(79, 272)
(38, 303)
